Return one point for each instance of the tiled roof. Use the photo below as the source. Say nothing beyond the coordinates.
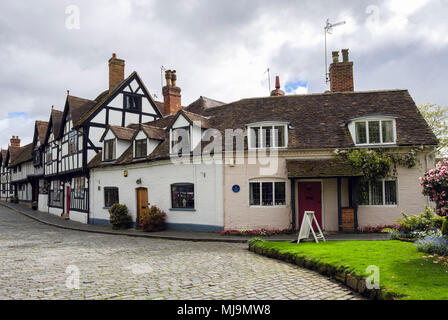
(121, 133)
(24, 154)
(3, 154)
(320, 168)
(56, 119)
(78, 107)
(316, 121)
(319, 120)
(153, 132)
(203, 103)
(42, 127)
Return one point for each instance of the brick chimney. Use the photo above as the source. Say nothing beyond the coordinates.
(341, 73)
(171, 93)
(277, 92)
(15, 141)
(116, 71)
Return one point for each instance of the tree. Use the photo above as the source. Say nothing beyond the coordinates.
(437, 118)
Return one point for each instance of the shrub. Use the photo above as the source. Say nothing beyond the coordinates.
(153, 220)
(394, 234)
(433, 244)
(426, 221)
(435, 185)
(445, 227)
(253, 241)
(34, 205)
(119, 217)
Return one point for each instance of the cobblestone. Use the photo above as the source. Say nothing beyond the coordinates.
(34, 259)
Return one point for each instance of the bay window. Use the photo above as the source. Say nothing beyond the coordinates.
(267, 193)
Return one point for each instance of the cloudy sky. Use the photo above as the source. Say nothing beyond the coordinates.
(220, 49)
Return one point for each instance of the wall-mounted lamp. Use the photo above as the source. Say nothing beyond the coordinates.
(139, 181)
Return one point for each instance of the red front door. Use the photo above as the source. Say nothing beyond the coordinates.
(310, 199)
(68, 201)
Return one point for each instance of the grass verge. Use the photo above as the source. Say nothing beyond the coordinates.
(404, 274)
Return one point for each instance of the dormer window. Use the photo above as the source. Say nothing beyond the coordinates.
(373, 131)
(141, 148)
(109, 150)
(267, 135)
(132, 102)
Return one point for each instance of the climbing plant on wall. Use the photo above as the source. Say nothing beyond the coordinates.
(377, 163)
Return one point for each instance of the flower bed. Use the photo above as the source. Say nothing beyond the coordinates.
(378, 228)
(256, 232)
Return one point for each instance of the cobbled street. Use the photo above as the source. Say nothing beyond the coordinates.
(41, 262)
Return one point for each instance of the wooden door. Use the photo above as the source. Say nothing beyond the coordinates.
(310, 199)
(142, 202)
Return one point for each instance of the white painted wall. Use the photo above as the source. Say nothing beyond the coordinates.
(158, 177)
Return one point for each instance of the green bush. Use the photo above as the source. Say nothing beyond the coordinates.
(119, 217)
(445, 227)
(253, 241)
(153, 219)
(426, 221)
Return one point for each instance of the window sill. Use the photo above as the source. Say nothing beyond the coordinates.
(183, 209)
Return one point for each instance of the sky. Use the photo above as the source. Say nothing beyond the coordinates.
(220, 49)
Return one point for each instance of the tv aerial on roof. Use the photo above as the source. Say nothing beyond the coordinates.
(328, 29)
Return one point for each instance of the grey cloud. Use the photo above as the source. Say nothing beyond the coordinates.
(220, 48)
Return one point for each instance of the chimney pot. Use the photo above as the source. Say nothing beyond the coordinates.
(168, 78)
(116, 71)
(341, 73)
(344, 55)
(15, 141)
(171, 93)
(335, 55)
(277, 91)
(173, 78)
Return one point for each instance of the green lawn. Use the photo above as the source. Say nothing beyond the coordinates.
(403, 271)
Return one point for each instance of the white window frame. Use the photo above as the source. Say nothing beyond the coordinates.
(352, 128)
(273, 193)
(383, 183)
(260, 126)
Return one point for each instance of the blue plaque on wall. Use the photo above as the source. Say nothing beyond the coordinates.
(236, 188)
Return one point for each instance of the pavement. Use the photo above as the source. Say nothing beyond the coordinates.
(55, 221)
(41, 261)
